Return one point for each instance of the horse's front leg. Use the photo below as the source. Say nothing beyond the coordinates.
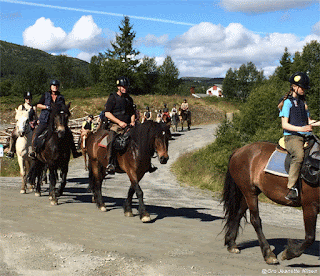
(64, 172)
(127, 206)
(52, 185)
(144, 215)
(22, 174)
(96, 176)
(294, 250)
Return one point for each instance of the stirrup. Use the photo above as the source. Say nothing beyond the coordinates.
(293, 194)
(10, 154)
(111, 169)
(32, 155)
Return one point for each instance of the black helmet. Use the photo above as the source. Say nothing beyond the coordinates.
(147, 107)
(55, 82)
(165, 105)
(301, 79)
(28, 95)
(90, 116)
(123, 81)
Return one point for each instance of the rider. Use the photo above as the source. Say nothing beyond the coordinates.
(165, 113)
(119, 109)
(88, 124)
(147, 115)
(52, 96)
(32, 120)
(296, 124)
(185, 105)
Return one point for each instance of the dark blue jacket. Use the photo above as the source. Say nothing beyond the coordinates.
(46, 99)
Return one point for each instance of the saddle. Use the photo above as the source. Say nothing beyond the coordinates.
(119, 144)
(279, 162)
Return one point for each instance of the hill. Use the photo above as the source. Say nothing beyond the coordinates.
(16, 59)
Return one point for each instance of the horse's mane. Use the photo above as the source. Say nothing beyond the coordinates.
(143, 135)
(55, 109)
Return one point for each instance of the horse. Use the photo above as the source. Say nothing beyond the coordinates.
(245, 180)
(145, 139)
(174, 122)
(55, 153)
(83, 145)
(23, 146)
(185, 115)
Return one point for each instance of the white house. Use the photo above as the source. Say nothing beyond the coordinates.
(214, 91)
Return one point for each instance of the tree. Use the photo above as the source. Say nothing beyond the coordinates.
(229, 84)
(147, 76)
(168, 77)
(284, 70)
(121, 60)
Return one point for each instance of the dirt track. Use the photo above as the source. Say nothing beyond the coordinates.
(183, 238)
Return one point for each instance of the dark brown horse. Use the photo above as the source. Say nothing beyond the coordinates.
(145, 140)
(185, 115)
(245, 180)
(55, 153)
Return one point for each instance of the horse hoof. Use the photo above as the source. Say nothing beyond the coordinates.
(37, 194)
(234, 250)
(272, 261)
(284, 255)
(128, 214)
(103, 209)
(50, 197)
(146, 219)
(30, 190)
(22, 191)
(53, 202)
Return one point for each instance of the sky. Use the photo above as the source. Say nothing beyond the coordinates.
(204, 38)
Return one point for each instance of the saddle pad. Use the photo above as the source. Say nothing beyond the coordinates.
(276, 163)
(104, 142)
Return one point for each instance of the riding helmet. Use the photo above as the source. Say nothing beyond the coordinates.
(301, 79)
(28, 95)
(55, 82)
(123, 81)
(90, 116)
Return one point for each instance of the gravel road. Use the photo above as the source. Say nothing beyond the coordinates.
(183, 238)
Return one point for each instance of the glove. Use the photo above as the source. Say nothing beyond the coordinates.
(48, 107)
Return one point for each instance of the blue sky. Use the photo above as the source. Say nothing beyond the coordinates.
(204, 38)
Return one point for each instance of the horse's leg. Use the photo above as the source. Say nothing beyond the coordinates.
(294, 250)
(64, 172)
(233, 228)
(144, 215)
(52, 185)
(22, 174)
(95, 181)
(268, 255)
(27, 169)
(127, 206)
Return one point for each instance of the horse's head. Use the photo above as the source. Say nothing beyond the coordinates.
(161, 142)
(22, 124)
(61, 116)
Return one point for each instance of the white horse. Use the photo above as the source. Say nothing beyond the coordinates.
(23, 146)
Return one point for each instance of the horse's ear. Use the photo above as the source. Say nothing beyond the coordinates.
(69, 104)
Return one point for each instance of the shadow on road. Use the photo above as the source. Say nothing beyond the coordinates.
(79, 194)
(280, 245)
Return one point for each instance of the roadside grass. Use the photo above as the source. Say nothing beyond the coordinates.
(9, 167)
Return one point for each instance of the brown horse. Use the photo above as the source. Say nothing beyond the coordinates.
(83, 144)
(245, 180)
(55, 153)
(145, 140)
(185, 115)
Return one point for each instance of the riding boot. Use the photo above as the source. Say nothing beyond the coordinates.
(111, 153)
(293, 193)
(12, 144)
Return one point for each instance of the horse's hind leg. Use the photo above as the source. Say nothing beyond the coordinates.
(268, 255)
(96, 176)
(233, 228)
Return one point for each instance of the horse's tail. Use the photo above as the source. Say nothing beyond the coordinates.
(231, 199)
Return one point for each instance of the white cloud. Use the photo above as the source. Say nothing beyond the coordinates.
(44, 35)
(85, 36)
(316, 29)
(151, 40)
(261, 6)
(210, 50)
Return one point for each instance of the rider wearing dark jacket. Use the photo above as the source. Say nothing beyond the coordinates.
(52, 96)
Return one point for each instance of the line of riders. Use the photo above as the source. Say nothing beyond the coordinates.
(121, 113)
